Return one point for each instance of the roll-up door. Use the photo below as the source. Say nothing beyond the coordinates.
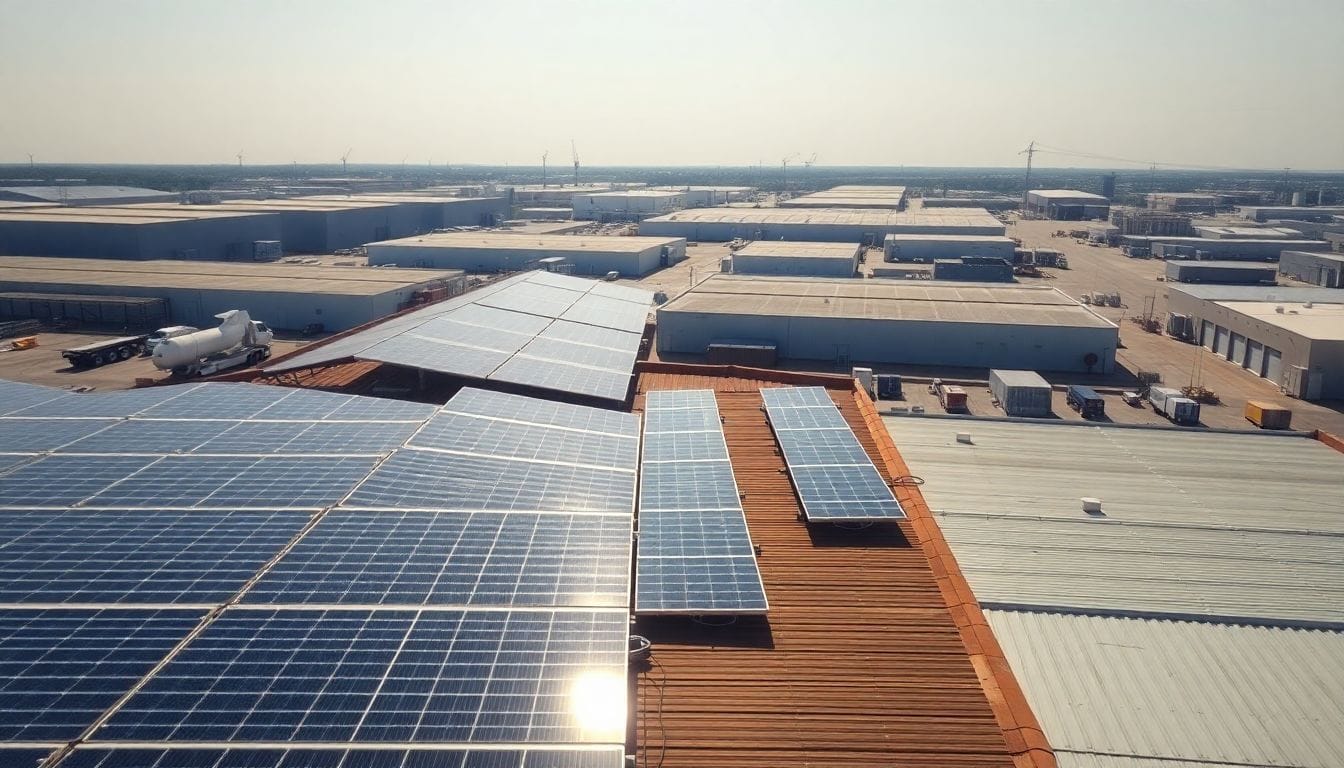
(1255, 357)
(1220, 340)
(1274, 365)
(1238, 355)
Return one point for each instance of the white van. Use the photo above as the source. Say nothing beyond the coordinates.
(163, 334)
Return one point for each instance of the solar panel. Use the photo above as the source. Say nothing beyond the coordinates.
(416, 351)
(236, 483)
(835, 479)
(63, 667)
(249, 757)
(38, 435)
(578, 354)
(218, 401)
(488, 437)
(305, 404)
(296, 437)
(16, 396)
(533, 299)
(550, 374)
(150, 436)
(455, 558)
(24, 757)
(111, 404)
(695, 552)
(593, 336)
(480, 402)
(413, 479)
(380, 409)
(63, 481)
(158, 556)
(506, 676)
(608, 313)
(490, 317)
(448, 329)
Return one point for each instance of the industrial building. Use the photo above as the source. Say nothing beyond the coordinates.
(1247, 233)
(1183, 202)
(554, 194)
(1067, 204)
(853, 196)
(285, 296)
(1224, 249)
(830, 225)
(988, 202)
(1323, 269)
(1336, 240)
(85, 194)
(1221, 272)
(1294, 337)
(702, 196)
(509, 252)
(425, 213)
(134, 233)
(1194, 620)
(928, 248)
(309, 225)
(974, 269)
(780, 257)
(842, 321)
(546, 214)
(1144, 223)
(1269, 212)
(627, 205)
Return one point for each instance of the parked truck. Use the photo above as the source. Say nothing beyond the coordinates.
(101, 353)
(1176, 407)
(950, 396)
(1085, 401)
(239, 340)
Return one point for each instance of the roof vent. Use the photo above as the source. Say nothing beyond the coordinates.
(1279, 309)
(964, 438)
(1091, 505)
(1307, 305)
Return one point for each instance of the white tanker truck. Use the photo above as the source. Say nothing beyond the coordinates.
(237, 341)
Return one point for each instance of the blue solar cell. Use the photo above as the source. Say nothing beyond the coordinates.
(452, 558)
(688, 485)
(239, 482)
(415, 351)
(491, 437)
(593, 336)
(694, 534)
(302, 437)
(532, 299)
(107, 405)
(819, 447)
(796, 397)
(37, 435)
(24, 757)
(306, 404)
(384, 676)
(62, 481)
(150, 436)
(218, 401)
(247, 757)
(552, 374)
(63, 667)
(382, 409)
(699, 585)
(685, 446)
(807, 419)
(11, 460)
(77, 556)
(614, 360)
(661, 399)
(16, 396)
(682, 420)
(606, 312)
(413, 479)
(480, 402)
(505, 320)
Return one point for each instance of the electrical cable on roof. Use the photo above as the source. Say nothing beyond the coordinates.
(908, 481)
(661, 685)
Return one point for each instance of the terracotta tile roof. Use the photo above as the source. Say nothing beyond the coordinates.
(874, 652)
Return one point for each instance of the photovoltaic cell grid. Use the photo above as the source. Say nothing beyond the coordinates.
(184, 517)
(537, 329)
(834, 478)
(695, 553)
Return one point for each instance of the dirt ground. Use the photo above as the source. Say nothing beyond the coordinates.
(44, 364)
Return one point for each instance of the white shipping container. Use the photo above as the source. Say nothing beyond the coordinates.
(1021, 393)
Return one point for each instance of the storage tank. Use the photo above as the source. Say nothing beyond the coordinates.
(184, 350)
(1020, 393)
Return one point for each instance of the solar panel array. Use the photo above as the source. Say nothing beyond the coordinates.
(834, 478)
(227, 575)
(695, 554)
(537, 329)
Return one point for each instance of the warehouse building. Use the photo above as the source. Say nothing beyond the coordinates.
(928, 248)
(627, 205)
(508, 252)
(554, 194)
(1294, 337)
(843, 321)
(318, 226)
(1183, 202)
(546, 214)
(827, 225)
(1067, 204)
(853, 196)
(1224, 249)
(1195, 621)
(135, 233)
(1247, 233)
(703, 196)
(285, 296)
(1221, 272)
(421, 213)
(974, 269)
(781, 257)
(1323, 269)
(1269, 212)
(1145, 223)
(85, 194)
(988, 202)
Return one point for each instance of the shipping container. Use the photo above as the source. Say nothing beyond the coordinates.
(1085, 401)
(1174, 405)
(1267, 415)
(1021, 393)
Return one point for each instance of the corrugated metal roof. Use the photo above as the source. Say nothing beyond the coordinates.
(56, 194)
(1208, 694)
(874, 217)
(1194, 524)
(861, 663)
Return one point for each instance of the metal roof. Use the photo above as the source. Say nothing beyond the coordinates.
(1319, 322)
(1066, 194)
(1158, 691)
(1275, 293)
(857, 217)
(792, 248)
(1191, 526)
(56, 194)
(885, 300)
(514, 241)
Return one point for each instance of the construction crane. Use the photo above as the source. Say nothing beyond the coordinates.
(784, 170)
(240, 158)
(544, 154)
(344, 158)
(575, 152)
(809, 161)
(1029, 152)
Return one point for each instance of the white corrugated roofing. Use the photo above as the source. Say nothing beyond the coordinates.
(1193, 524)
(1136, 693)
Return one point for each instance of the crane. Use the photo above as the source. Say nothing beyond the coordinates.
(545, 153)
(575, 152)
(345, 157)
(1029, 151)
(240, 158)
(809, 161)
(784, 170)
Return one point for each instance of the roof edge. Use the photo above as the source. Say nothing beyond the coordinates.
(1330, 439)
(794, 378)
(1021, 730)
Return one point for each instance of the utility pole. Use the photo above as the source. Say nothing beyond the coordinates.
(1030, 152)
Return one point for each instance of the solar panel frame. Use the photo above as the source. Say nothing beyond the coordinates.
(491, 756)
(47, 434)
(64, 480)
(449, 431)
(499, 405)
(699, 585)
(238, 482)
(551, 374)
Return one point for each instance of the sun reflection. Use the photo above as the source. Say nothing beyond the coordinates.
(597, 701)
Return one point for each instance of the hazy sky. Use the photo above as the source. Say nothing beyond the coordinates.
(638, 82)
